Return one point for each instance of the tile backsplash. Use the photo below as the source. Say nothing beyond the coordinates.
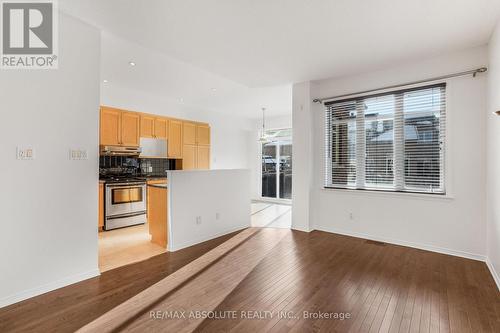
(135, 166)
(156, 166)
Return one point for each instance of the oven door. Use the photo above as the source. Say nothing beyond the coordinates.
(125, 199)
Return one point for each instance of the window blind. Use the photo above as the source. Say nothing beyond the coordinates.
(390, 141)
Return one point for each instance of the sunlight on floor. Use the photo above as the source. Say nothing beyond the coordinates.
(271, 215)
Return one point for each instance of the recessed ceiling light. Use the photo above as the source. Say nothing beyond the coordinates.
(105, 81)
(214, 89)
(131, 63)
(181, 100)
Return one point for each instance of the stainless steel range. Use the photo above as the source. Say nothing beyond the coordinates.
(125, 202)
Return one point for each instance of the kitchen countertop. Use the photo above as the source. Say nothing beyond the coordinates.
(165, 186)
(155, 177)
(144, 177)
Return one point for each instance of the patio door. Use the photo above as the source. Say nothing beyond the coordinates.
(277, 165)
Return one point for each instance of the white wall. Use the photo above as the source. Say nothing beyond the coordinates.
(452, 225)
(230, 134)
(49, 204)
(206, 193)
(493, 153)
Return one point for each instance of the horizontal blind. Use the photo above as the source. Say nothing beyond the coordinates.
(392, 141)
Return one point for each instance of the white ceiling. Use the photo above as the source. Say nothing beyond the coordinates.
(261, 43)
(158, 74)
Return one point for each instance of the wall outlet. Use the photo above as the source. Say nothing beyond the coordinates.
(78, 154)
(217, 216)
(25, 153)
(351, 216)
(198, 220)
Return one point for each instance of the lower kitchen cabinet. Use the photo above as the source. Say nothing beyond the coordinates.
(157, 215)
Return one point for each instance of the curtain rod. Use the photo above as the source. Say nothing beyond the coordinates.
(472, 72)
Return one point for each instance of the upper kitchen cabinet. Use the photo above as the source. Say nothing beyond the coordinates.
(154, 127)
(189, 134)
(118, 128)
(175, 138)
(161, 128)
(202, 134)
(147, 126)
(130, 129)
(110, 126)
(196, 133)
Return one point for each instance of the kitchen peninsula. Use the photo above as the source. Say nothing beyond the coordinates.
(198, 205)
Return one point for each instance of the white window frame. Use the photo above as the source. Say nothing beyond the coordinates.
(447, 147)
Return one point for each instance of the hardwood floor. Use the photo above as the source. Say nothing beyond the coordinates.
(379, 287)
(71, 307)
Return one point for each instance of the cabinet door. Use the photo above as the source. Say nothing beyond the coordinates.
(161, 128)
(110, 127)
(130, 129)
(147, 126)
(189, 133)
(203, 157)
(189, 157)
(174, 138)
(202, 134)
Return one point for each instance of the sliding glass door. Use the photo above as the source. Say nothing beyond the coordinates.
(277, 165)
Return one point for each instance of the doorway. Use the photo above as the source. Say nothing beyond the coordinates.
(276, 162)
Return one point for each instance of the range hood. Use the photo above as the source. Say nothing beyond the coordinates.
(120, 151)
(156, 148)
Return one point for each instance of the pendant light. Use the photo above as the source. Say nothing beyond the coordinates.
(263, 136)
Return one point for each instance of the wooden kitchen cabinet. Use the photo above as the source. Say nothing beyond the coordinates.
(100, 224)
(161, 128)
(130, 129)
(118, 127)
(125, 128)
(110, 127)
(203, 157)
(196, 139)
(189, 135)
(147, 126)
(202, 135)
(189, 158)
(154, 127)
(175, 138)
(158, 215)
(149, 198)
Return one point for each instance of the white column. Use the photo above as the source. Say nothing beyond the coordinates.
(302, 128)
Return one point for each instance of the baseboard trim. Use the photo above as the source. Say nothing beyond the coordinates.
(419, 246)
(493, 272)
(21, 296)
(176, 247)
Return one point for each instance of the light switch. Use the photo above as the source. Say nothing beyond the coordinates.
(78, 154)
(25, 153)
